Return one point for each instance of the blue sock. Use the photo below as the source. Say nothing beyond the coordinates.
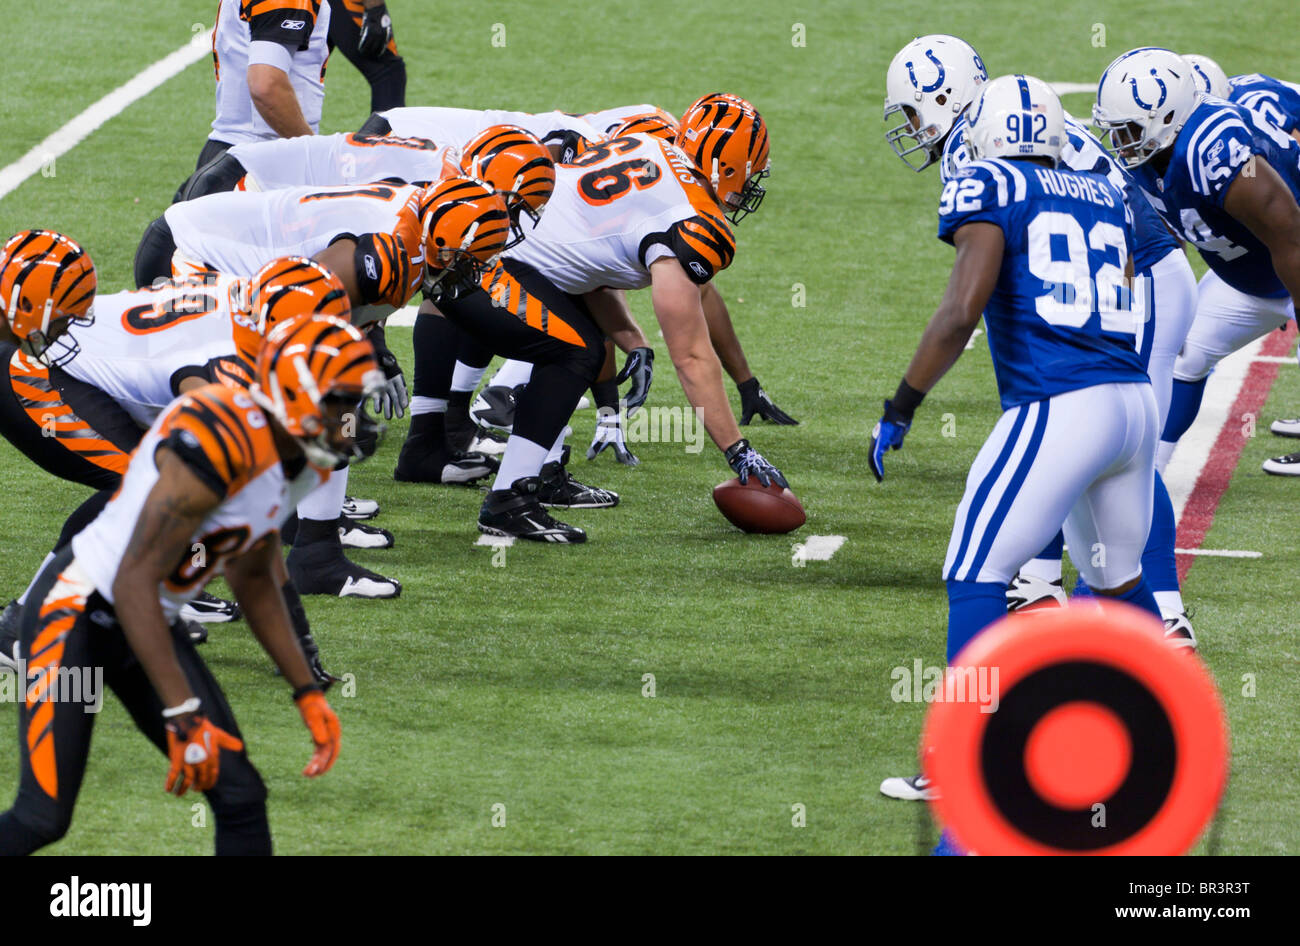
(1184, 404)
(972, 606)
(948, 846)
(1081, 589)
(1158, 563)
(1139, 595)
(1055, 548)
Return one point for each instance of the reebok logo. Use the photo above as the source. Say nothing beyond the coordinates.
(699, 270)
(125, 900)
(372, 270)
(293, 24)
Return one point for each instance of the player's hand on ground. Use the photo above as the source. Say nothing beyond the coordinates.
(639, 367)
(609, 433)
(194, 747)
(376, 32)
(745, 461)
(888, 434)
(323, 725)
(393, 398)
(754, 400)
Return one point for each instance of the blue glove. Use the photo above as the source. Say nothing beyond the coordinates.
(888, 434)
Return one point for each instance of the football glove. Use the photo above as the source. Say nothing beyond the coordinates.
(888, 434)
(754, 400)
(194, 747)
(393, 398)
(376, 32)
(747, 462)
(639, 367)
(324, 728)
(609, 433)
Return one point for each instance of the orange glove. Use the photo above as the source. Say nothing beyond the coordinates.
(194, 746)
(324, 728)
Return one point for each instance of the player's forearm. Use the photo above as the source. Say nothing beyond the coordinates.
(139, 612)
(700, 375)
(608, 308)
(942, 343)
(259, 597)
(275, 101)
(723, 335)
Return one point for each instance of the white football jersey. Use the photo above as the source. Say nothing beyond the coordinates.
(335, 160)
(239, 23)
(608, 119)
(455, 126)
(619, 207)
(224, 439)
(141, 342)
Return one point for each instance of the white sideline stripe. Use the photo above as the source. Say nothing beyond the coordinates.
(1275, 359)
(1220, 553)
(496, 541)
(820, 548)
(1071, 88)
(1193, 450)
(76, 130)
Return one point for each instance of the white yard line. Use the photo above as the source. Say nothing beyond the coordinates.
(1071, 88)
(496, 541)
(1194, 448)
(1220, 553)
(819, 548)
(75, 131)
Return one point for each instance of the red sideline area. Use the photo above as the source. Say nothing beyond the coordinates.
(1215, 476)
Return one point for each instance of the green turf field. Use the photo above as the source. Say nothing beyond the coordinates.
(520, 682)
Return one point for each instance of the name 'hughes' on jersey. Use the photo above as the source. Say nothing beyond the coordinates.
(618, 208)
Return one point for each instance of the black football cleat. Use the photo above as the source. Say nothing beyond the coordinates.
(209, 609)
(495, 407)
(558, 489)
(360, 509)
(459, 428)
(423, 462)
(321, 568)
(488, 442)
(1288, 465)
(517, 513)
(196, 632)
(357, 535)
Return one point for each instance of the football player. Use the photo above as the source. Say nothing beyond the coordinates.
(363, 31)
(216, 472)
(930, 83)
(1273, 100)
(563, 134)
(629, 213)
(1227, 181)
(1066, 362)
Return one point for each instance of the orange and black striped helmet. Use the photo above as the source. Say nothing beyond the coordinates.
(657, 123)
(727, 139)
(465, 227)
(516, 165)
(47, 284)
(284, 289)
(312, 375)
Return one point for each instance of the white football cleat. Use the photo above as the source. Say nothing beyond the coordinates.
(355, 508)
(358, 535)
(488, 442)
(1286, 428)
(1288, 465)
(913, 788)
(209, 609)
(1178, 632)
(1027, 593)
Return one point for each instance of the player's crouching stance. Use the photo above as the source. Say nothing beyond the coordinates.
(205, 493)
(1043, 253)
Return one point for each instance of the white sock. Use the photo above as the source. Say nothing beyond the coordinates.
(512, 374)
(522, 458)
(325, 502)
(428, 405)
(466, 378)
(1164, 451)
(1170, 603)
(558, 450)
(1045, 569)
(22, 598)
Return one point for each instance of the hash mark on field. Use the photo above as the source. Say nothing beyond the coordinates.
(820, 548)
(1220, 553)
(76, 130)
(496, 541)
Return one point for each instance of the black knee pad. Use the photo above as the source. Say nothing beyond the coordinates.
(218, 176)
(153, 257)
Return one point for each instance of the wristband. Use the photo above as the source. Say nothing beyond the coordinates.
(736, 449)
(907, 399)
(189, 706)
(306, 688)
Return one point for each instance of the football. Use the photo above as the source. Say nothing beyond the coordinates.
(756, 508)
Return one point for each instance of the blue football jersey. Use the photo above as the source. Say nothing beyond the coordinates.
(1083, 152)
(1271, 99)
(1212, 148)
(1060, 318)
